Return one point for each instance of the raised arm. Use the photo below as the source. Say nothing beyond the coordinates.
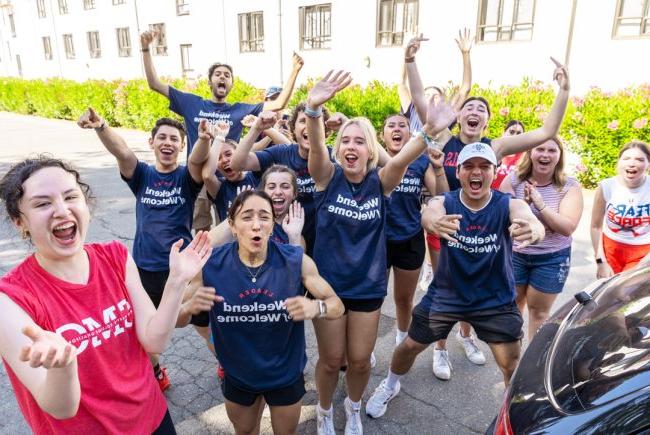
(506, 145)
(146, 38)
(416, 89)
(439, 115)
(216, 136)
(464, 43)
(437, 159)
(201, 150)
(566, 219)
(113, 142)
(525, 228)
(603, 270)
(319, 164)
(403, 91)
(283, 99)
(44, 362)
(243, 159)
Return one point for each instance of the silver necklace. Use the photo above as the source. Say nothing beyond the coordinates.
(254, 276)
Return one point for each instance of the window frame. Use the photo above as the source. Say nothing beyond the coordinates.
(123, 51)
(95, 53)
(12, 24)
(379, 32)
(251, 45)
(40, 9)
(47, 48)
(63, 7)
(69, 48)
(89, 5)
(324, 40)
(645, 18)
(182, 8)
(159, 43)
(481, 26)
(119, 2)
(185, 57)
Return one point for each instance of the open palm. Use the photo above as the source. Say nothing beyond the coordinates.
(183, 265)
(325, 89)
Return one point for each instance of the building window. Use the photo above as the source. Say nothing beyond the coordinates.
(182, 7)
(315, 26)
(123, 42)
(251, 32)
(506, 20)
(118, 2)
(632, 19)
(396, 18)
(40, 7)
(68, 45)
(12, 24)
(47, 48)
(63, 7)
(94, 47)
(185, 58)
(160, 39)
(89, 4)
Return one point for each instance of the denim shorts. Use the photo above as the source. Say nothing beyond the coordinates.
(545, 272)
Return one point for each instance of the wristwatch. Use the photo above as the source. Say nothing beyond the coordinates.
(322, 308)
(599, 260)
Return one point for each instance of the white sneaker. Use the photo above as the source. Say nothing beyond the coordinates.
(373, 360)
(324, 422)
(441, 364)
(472, 350)
(378, 402)
(353, 419)
(426, 277)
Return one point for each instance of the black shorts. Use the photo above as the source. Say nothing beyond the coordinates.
(496, 325)
(285, 396)
(362, 305)
(154, 284)
(406, 254)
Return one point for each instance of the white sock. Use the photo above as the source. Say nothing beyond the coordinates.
(400, 336)
(322, 411)
(355, 405)
(392, 379)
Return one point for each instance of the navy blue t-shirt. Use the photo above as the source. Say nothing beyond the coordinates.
(164, 204)
(193, 108)
(350, 249)
(229, 191)
(475, 273)
(451, 150)
(259, 346)
(403, 220)
(278, 235)
(288, 155)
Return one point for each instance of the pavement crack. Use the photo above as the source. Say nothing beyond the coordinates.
(436, 407)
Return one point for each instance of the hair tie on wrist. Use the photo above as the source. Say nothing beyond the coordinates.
(313, 113)
(409, 59)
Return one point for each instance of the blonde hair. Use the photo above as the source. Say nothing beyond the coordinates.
(369, 134)
(525, 166)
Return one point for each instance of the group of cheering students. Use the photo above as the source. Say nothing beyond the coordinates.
(306, 233)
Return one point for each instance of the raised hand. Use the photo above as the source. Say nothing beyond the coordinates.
(324, 90)
(48, 350)
(335, 121)
(298, 61)
(183, 265)
(413, 46)
(301, 308)
(90, 119)
(282, 125)
(147, 37)
(532, 195)
(440, 114)
(294, 221)
(206, 130)
(266, 120)
(561, 75)
(203, 299)
(523, 232)
(447, 225)
(248, 120)
(221, 129)
(464, 40)
(436, 157)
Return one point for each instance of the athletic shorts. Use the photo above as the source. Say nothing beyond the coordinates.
(621, 256)
(545, 272)
(285, 396)
(166, 426)
(406, 254)
(433, 242)
(362, 305)
(495, 325)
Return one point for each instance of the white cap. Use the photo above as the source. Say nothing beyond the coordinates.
(477, 149)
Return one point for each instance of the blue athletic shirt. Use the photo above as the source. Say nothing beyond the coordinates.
(350, 249)
(451, 150)
(278, 235)
(229, 191)
(288, 155)
(403, 220)
(164, 204)
(259, 346)
(193, 108)
(475, 273)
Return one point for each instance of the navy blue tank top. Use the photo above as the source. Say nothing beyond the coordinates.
(350, 249)
(259, 346)
(403, 220)
(451, 150)
(278, 235)
(229, 191)
(475, 273)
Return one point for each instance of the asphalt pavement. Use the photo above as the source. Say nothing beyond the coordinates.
(466, 404)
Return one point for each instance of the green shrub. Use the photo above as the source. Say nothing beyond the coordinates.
(595, 127)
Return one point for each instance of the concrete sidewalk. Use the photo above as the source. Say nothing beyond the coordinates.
(464, 405)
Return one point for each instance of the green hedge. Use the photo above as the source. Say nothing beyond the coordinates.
(595, 127)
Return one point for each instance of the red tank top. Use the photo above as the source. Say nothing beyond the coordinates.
(118, 391)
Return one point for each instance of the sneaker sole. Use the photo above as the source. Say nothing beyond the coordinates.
(399, 388)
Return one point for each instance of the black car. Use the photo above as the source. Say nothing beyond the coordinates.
(587, 370)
